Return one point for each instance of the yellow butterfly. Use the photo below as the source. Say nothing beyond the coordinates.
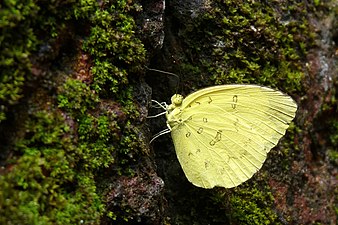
(222, 134)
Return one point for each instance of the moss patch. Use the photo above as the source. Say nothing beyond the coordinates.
(248, 42)
(252, 205)
(45, 185)
(77, 120)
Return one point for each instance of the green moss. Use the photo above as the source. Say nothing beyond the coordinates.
(252, 205)
(25, 26)
(247, 42)
(76, 96)
(97, 135)
(68, 138)
(17, 40)
(35, 189)
(113, 44)
(248, 203)
(115, 51)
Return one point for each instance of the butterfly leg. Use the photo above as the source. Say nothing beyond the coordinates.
(160, 134)
(162, 105)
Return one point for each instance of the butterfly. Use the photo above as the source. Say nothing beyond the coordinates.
(222, 134)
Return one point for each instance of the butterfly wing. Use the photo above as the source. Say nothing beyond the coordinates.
(224, 133)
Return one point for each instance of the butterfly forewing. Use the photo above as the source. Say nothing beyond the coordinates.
(226, 131)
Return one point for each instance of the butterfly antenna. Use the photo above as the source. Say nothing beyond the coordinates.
(168, 73)
(162, 105)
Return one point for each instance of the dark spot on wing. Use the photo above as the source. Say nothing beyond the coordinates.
(234, 100)
(217, 138)
(210, 100)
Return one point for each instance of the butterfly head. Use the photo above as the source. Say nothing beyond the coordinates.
(174, 111)
(176, 100)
